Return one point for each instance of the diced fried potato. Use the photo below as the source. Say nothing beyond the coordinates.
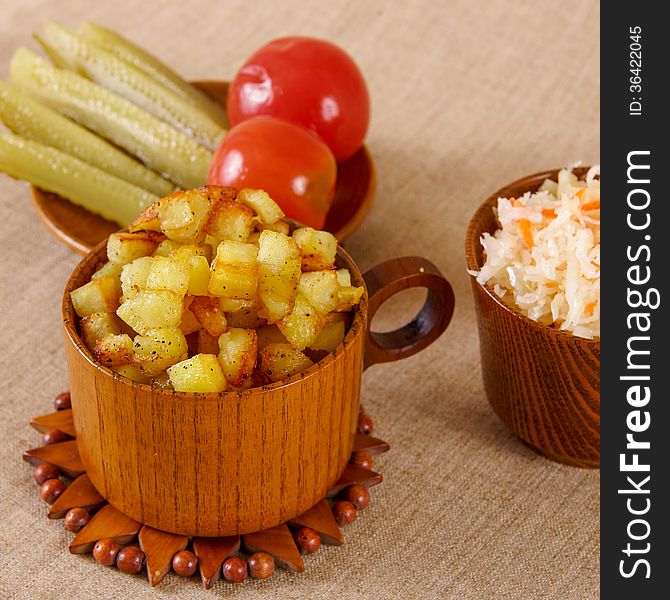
(124, 248)
(109, 269)
(198, 280)
(206, 343)
(230, 220)
(183, 215)
(234, 271)
(348, 297)
(343, 277)
(320, 289)
(269, 334)
(189, 323)
(166, 247)
(159, 349)
(246, 318)
(99, 295)
(132, 372)
(134, 277)
(150, 309)
(186, 251)
(279, 361)
(279, 273)
(231, 305)
(114, 350)
(208, 312)
(317, 248)
(278, 226)
(98, 325)
(237, 354)
(147, 220)
(332, 334)
(162, 381)
(302, 325)
(266, 208)
(168, 274)
(202, 373)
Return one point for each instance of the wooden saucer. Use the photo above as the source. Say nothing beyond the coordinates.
(160, 547)
(82, 230)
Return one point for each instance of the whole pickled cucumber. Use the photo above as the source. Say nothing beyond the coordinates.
(157, 144)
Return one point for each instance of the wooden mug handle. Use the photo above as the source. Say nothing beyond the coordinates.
(391, 277)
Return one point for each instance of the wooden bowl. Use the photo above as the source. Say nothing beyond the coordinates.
(543, 383)
(239, 461)
(82, 230)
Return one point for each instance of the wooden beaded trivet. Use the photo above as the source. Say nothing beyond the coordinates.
(115, 539)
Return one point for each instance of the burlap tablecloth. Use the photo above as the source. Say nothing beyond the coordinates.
(466, 96)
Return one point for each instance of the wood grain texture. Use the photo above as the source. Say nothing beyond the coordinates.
(278, 542)
(61, 420)
(79, 494)
(64, 455)
(82, 230)
(321, 519)
(354, 475)
(543, 383)
(211, 553)
(215, 464)
(159, 547)
(106, 523)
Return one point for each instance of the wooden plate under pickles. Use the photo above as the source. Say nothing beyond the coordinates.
(82, 230)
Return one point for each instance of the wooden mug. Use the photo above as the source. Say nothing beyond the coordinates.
(239, 461)
(542, 382)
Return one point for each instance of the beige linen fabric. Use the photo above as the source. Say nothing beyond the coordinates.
(467, 96)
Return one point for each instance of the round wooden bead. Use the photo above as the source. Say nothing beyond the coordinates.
(344, 512)
(53, 436)
(62, 401)
(130, 559)
(358, 496)
(44, 471)
(365, 424)
(235, 569)
(105, 551)
(261, 565)
(76, 519)
(308, 540)
(361, 458)
(184, 563)
(51, 489)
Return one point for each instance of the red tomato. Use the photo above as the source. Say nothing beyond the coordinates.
(307, 81)
(289, 162)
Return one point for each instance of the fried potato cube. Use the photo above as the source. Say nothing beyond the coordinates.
(231, 305)
(114, 350)
(259, 201)
(186, 251)
(168, 274)
(109, 269)
(147, 220)
(279, 361)
(343, 277)
(183, 215)
(332, 334)
(279, 274)
(189, 323)
(317, 248)
(206, 343)
(230, 220)
(320, 289)
(237, 354)
(132, 372)
(98, 325)
(269, 334)
(208, 312)
(159, 349)
(124, 248)
(202, 373)
(348, 297)
(302, 325)
(134, 277)
(150, 309)
(246, 318)
(99, 295)
(166, 247)
(234, 271)
(198, 279)
(278, 226)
